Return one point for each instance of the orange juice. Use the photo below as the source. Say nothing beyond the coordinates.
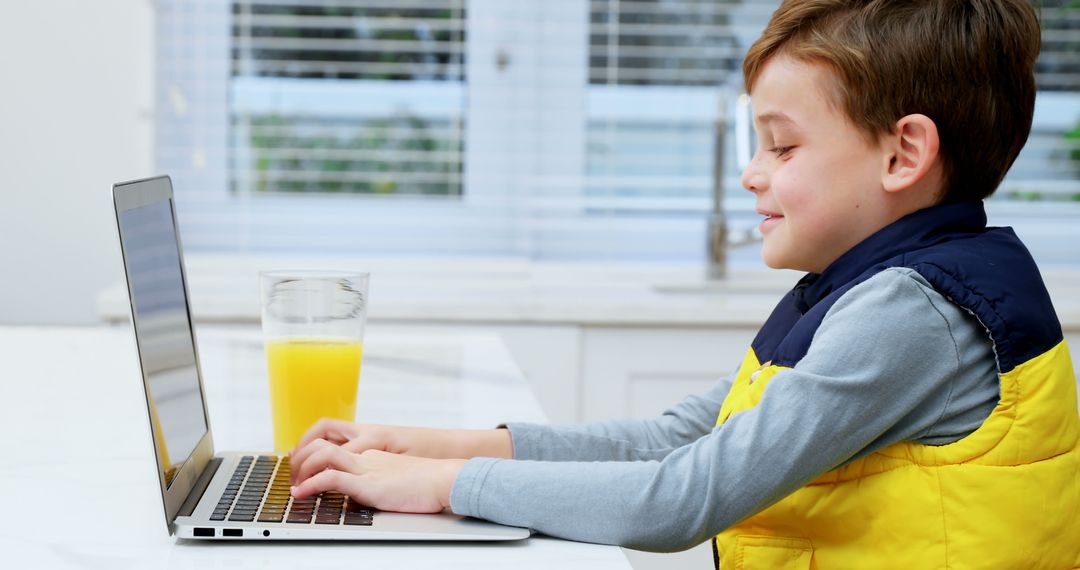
(311, 378)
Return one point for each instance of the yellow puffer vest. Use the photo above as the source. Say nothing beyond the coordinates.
(1005, 496)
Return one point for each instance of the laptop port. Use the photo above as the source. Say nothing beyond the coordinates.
(201, 531)
(232, 532)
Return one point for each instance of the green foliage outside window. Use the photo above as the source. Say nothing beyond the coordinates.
(395, 155)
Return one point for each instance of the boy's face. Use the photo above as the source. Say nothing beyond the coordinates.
(817, 179)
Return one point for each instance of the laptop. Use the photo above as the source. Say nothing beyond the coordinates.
(232, 495)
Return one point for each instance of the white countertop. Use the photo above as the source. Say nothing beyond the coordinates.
(225, 288)
(76, 443)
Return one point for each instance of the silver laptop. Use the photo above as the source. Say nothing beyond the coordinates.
(228, 496)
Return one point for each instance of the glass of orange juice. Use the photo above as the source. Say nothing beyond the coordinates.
(313, 327)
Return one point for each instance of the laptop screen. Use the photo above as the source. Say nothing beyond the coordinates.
(163, 330)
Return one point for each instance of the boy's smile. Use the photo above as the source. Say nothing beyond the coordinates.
(817, 179)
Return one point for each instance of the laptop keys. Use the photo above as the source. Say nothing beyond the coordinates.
(302, 510)
(330, 506)
(260, 488)
(359, 515)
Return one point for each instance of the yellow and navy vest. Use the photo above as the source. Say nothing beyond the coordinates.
(1005, 496)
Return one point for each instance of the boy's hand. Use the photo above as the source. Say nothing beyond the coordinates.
(332, 430)
(422, 442)
(385, 481)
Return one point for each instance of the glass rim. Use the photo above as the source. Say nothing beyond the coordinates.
(313, 273)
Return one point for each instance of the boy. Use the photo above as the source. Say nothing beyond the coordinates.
(911, 403)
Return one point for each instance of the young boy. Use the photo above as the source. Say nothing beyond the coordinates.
(910, 403)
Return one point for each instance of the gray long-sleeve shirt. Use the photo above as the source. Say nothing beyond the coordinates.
(892, 361)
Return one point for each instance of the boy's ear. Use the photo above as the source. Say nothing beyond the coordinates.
(911, 154)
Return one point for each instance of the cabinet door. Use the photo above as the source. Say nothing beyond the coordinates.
(547, 355)
(629, 373)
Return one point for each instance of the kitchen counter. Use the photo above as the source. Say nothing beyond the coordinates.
(78, 471)
(225, 289)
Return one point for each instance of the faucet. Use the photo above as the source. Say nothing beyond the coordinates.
(719, 237)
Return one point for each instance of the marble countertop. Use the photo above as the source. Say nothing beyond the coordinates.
(78, 478)
(225, 289)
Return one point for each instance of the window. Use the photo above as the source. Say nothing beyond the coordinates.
(559, 129)
(312, 87)
(659, 74)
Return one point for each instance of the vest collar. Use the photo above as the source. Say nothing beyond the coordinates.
(912, 232)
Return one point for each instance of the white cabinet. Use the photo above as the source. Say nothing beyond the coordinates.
(549, 355)
(640, 372)
(585, 373)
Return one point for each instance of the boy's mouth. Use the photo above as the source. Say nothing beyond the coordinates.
(770, 219)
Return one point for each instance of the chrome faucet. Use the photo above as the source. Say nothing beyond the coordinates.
(719, 236)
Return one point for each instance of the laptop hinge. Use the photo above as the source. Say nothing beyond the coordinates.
(197, 491)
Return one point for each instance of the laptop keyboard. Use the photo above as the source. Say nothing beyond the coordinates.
(259, 490)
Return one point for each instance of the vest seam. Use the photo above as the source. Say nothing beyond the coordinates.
(1015, 397)
(1006, 339)
(944, 524)
(914, 465)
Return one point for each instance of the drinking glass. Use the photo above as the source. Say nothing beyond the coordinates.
(313, 329)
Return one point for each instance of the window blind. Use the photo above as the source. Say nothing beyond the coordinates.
(301, 53)
(560, 129)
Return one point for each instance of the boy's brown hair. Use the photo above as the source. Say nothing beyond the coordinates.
(966, 64)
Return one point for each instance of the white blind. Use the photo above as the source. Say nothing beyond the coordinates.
(300, 124)
(545, 129)
(381, 40)
(1058, 67)
(1048, 169)
(655, 73)
(663, 42)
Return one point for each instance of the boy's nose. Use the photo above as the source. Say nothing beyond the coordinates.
(753, 179)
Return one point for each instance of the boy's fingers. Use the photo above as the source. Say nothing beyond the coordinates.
(337, 431)
(365, 441)
(329, 480)
(302, 455)
(329, 457)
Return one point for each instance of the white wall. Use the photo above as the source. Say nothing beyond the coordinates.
(76, 94)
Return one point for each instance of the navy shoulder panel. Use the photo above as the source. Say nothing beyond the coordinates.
(787, 334)
(776, 329)
(989, 274)
(993, 276)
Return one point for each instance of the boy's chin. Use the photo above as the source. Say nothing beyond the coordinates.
(775, 260)
(773, 264)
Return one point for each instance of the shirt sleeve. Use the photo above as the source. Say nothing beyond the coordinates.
(622, 440)
(881, 369)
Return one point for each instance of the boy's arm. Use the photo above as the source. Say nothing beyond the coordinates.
(622, 440)
(892, 361)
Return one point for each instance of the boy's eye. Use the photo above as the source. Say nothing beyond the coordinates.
(781, 150)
